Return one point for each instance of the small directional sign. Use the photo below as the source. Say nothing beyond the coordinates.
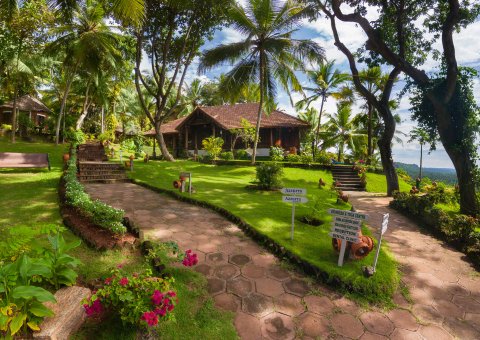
(346, 213)
(294, 199)
(294, 191)
(344, 237)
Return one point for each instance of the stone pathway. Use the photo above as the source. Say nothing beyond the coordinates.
(271, 302)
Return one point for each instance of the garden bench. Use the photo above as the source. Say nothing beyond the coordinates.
(24, 160)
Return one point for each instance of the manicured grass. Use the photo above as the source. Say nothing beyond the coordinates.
(29, 198)
(377, 183)
(225, 186)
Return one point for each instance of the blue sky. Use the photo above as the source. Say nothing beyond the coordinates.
(468, 54)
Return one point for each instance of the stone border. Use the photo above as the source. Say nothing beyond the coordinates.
(130, 239)
(263, 240)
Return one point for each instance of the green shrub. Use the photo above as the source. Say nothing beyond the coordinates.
(323, 158)
(242, 154)
(276, 154)
(293, 158)
(213, 146)
(226, 156)
(75, 136)
(269, 175)
(6, 127)
(306, 158)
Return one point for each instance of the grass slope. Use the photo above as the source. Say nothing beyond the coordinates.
(28, 197)
(377, 183)
(224, 186)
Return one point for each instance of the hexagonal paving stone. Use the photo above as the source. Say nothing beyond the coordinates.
(372, 336)
(277, 326)
(467, 304)
(289, 304)
(377, 323)
(297, 287)
(347, 306)
(319, 304)
(215, 286)
(402, 318)
(461, 329)
(269, 287)
(448, 308)
(347, 325)
(434, 332)
(403, 334)
(313, 325)
(216, 258)
(278, 273)
(427, 314)
(264, 260)
(206, 247)
(203, 268)
(257, 304)
(248, 327)
(239, 286)
(240, 259)
(253, 272)
(227, 302)
(227, 271)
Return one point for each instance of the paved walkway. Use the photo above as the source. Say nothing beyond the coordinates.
(271, 302)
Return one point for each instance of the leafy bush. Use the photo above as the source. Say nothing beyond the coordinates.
(323, 158)
(226, 156)
(306, 158)
(6, 127)
(293, 158)
(276, 154)
(269, 175)
(213, 146)
(103, 137)
(101, 214)
(242, 154)
(75, 136)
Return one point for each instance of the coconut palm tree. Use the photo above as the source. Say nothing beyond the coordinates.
(423, 137)
(86, 42)
(268, 53)
(341, 130)
(327, 82)
(310, 115)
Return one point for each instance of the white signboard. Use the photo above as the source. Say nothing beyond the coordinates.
(347, 213)
(383, 229)
(294, 199)
(294, 191)
(385, 223)
(347, 238)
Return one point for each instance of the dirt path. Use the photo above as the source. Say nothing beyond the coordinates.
(269, 301)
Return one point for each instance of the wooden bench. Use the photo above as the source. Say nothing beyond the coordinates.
(24, 160)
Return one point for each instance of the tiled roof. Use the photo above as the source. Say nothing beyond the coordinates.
(167, 128)
(27, 103)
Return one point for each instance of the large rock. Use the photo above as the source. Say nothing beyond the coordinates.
(69, 314)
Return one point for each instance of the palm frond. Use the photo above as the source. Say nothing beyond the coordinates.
(129, 11)
(224, 54)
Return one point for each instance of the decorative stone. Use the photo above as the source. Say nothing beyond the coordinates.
(289, 304)
(278, 326)
(319, 304)
(226, 271)
(278, 273)
(313, 325)
(69, 314)
(297, 287)
(240, 259)
(227, 302)
(257, 304)
(253, 272)
(239, 286)
(347, 325)
(269, 287)
(377, 323)
(205, 269)
(216, 258)
(215, 286)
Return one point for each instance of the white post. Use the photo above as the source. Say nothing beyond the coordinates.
(378, 251)
(342, 253)
(120, 154)
(293, 221)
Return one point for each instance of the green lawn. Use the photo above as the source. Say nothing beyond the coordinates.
(377, 183)
(29, 198)
(225, 186)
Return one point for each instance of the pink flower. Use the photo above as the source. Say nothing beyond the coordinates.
(123, 281)
(108, 280)
(161, 311)
(120, 266)
(190, 259)
(151, 318)
(157, 297)
(172, 293)
(95, 308)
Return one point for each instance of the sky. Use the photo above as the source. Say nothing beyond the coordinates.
(467, 47)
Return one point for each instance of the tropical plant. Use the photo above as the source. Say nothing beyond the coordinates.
(310, 116)
(328, 82)
(276, 153)
(246, 133)
(341, 130)
(269, 175)
(213, 146)
(268, 53)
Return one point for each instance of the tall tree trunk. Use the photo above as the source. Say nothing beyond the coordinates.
(85, 107)
(14, 115)
(161, 143)
(370, 134)
(260, 106)
(385, 147)
(317, 133)
(62, 106)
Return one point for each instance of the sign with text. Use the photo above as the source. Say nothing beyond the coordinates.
(294, 191)
(294, 199)
(346, 226)
(383, 229)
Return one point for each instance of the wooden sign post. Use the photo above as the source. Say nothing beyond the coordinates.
(346, 226)
(294, 200)
(383, 229)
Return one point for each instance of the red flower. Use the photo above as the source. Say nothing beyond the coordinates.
(123, 281)
(108, 280)
(157, 297)
(151, 318)
(95, 308)
(161, 311)
(120, 266)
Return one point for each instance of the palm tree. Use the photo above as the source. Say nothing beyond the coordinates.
(328, 82)
(86, 42)
(423, 137)
(310, 115)
(267, 54)
(341, 130)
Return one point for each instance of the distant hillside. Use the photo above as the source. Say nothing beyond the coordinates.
(438, 174)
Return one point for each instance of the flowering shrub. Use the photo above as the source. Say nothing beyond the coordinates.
(139, 299)
(190, 259)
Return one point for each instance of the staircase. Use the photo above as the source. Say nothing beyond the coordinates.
(348, 178)
(93, 165)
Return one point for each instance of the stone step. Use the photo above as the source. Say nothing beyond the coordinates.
(350, 189)
(101, 172)
(69, 314)
(101, 177)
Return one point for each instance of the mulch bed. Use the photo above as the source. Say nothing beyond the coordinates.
(95, 236)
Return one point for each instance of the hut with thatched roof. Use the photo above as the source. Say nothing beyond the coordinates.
(34, 108)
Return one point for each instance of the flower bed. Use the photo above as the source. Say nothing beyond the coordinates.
(461, 231)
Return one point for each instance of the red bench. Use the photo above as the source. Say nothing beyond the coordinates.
(24, 160)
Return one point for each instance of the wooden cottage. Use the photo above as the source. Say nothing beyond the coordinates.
(34, 108)
(187, 133)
